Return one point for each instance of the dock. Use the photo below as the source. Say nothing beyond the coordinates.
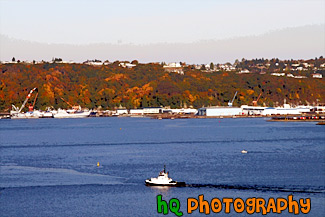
(4, 115)
(301, 118)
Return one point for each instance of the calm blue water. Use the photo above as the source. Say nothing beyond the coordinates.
(49, 166)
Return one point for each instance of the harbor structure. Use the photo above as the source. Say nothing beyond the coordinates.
(280, 111)
(182, 111)
(136, 112)
(120, 111)
(219, 111)
(252, 110)
(152, 110)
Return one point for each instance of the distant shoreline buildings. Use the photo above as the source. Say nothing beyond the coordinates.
(299, 69)
(311, 112)
(142, 88)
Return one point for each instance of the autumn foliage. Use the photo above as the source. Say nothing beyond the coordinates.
(146, 85)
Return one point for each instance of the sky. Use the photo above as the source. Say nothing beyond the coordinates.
(151, 21)
(143, 22)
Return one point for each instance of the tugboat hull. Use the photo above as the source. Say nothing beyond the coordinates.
(172, 184)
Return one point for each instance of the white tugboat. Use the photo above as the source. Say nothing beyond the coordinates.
(244, 151)
(163, 180)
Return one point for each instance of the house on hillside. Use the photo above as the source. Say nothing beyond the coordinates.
(174, 67)
(300, 76)
(93, 62)
(278, 74)
(243, 71)
(317, 75)
(127, 65)
(227, 67)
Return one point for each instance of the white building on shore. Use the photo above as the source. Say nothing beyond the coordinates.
(152, 110)
(252, 110)
(280, 111)
(183, 111)
(136, 112)
(219, 111)
(121, 112)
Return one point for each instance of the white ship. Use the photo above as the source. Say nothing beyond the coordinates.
(163, 180)
(47, 114)
(61, 113)
(27, 115)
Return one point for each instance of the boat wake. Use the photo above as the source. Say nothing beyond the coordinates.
(37, 176)
(56, 145)
(261, 188)
(274, 189)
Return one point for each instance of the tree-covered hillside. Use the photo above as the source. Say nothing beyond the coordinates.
(146, 85)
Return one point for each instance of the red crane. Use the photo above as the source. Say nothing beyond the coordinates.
(31, 107)
(255, 101)
(28, 96)
(67, 102)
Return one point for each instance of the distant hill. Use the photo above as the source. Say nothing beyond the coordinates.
(290, 43)
(145, 85)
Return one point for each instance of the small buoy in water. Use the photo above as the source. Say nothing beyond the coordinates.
(244, 151)
(120, 128)
(98, 164)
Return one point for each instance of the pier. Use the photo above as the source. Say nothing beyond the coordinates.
(299, 118)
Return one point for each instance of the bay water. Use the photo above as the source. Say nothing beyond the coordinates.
(48, 167)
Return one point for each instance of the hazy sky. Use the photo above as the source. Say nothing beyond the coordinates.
(151, 21)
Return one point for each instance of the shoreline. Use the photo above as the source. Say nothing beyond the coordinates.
(160, 116)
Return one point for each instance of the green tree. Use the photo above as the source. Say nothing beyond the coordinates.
(211, 66)
(144, 102)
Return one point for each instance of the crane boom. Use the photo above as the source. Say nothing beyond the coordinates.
(230, 103)
(31, 108)
(66, 102)
(15, 108)
(28, 96)
(234, 97)
(258, 97)
(255, 101)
